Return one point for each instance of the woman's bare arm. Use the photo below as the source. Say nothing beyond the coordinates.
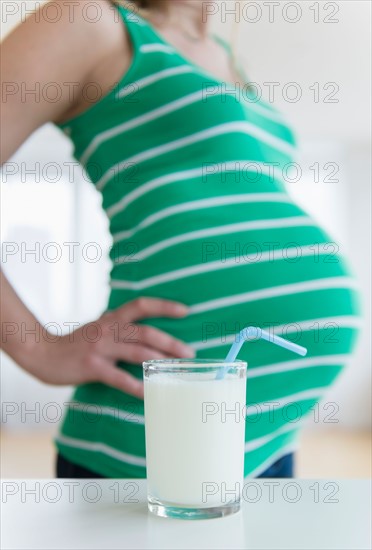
(70, 52)
(38, 53)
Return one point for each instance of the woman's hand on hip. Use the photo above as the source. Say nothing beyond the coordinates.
(90, 353)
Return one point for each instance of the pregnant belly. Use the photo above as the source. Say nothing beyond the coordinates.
(291, 278)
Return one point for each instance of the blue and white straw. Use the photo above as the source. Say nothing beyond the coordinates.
(250, 333)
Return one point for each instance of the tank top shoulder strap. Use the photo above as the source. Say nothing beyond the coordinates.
(222, 42)
(141, 32)
(235, 62)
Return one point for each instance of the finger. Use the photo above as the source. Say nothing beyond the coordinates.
(164, 342)
(142, 308)
(136, 353)
(117, 378)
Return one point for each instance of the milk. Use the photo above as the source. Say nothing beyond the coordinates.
(195, 433)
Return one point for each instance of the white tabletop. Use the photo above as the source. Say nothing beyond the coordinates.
(276, 514)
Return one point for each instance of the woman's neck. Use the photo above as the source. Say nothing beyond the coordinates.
(186, 15)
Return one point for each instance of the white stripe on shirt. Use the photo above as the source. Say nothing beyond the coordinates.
(246, 166)
(206, 267)
(238, 127)
(201, 204)
(257, 225)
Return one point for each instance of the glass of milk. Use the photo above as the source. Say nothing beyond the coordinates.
(195, 435)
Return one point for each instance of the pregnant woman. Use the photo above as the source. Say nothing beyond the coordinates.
(205, 238)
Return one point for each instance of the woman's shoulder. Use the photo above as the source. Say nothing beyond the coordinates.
(69, 36)
(62, 45)
(87, 41)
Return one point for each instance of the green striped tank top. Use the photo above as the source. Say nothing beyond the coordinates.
(190, 173)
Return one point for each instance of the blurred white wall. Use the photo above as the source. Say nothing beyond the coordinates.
(316, 56)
